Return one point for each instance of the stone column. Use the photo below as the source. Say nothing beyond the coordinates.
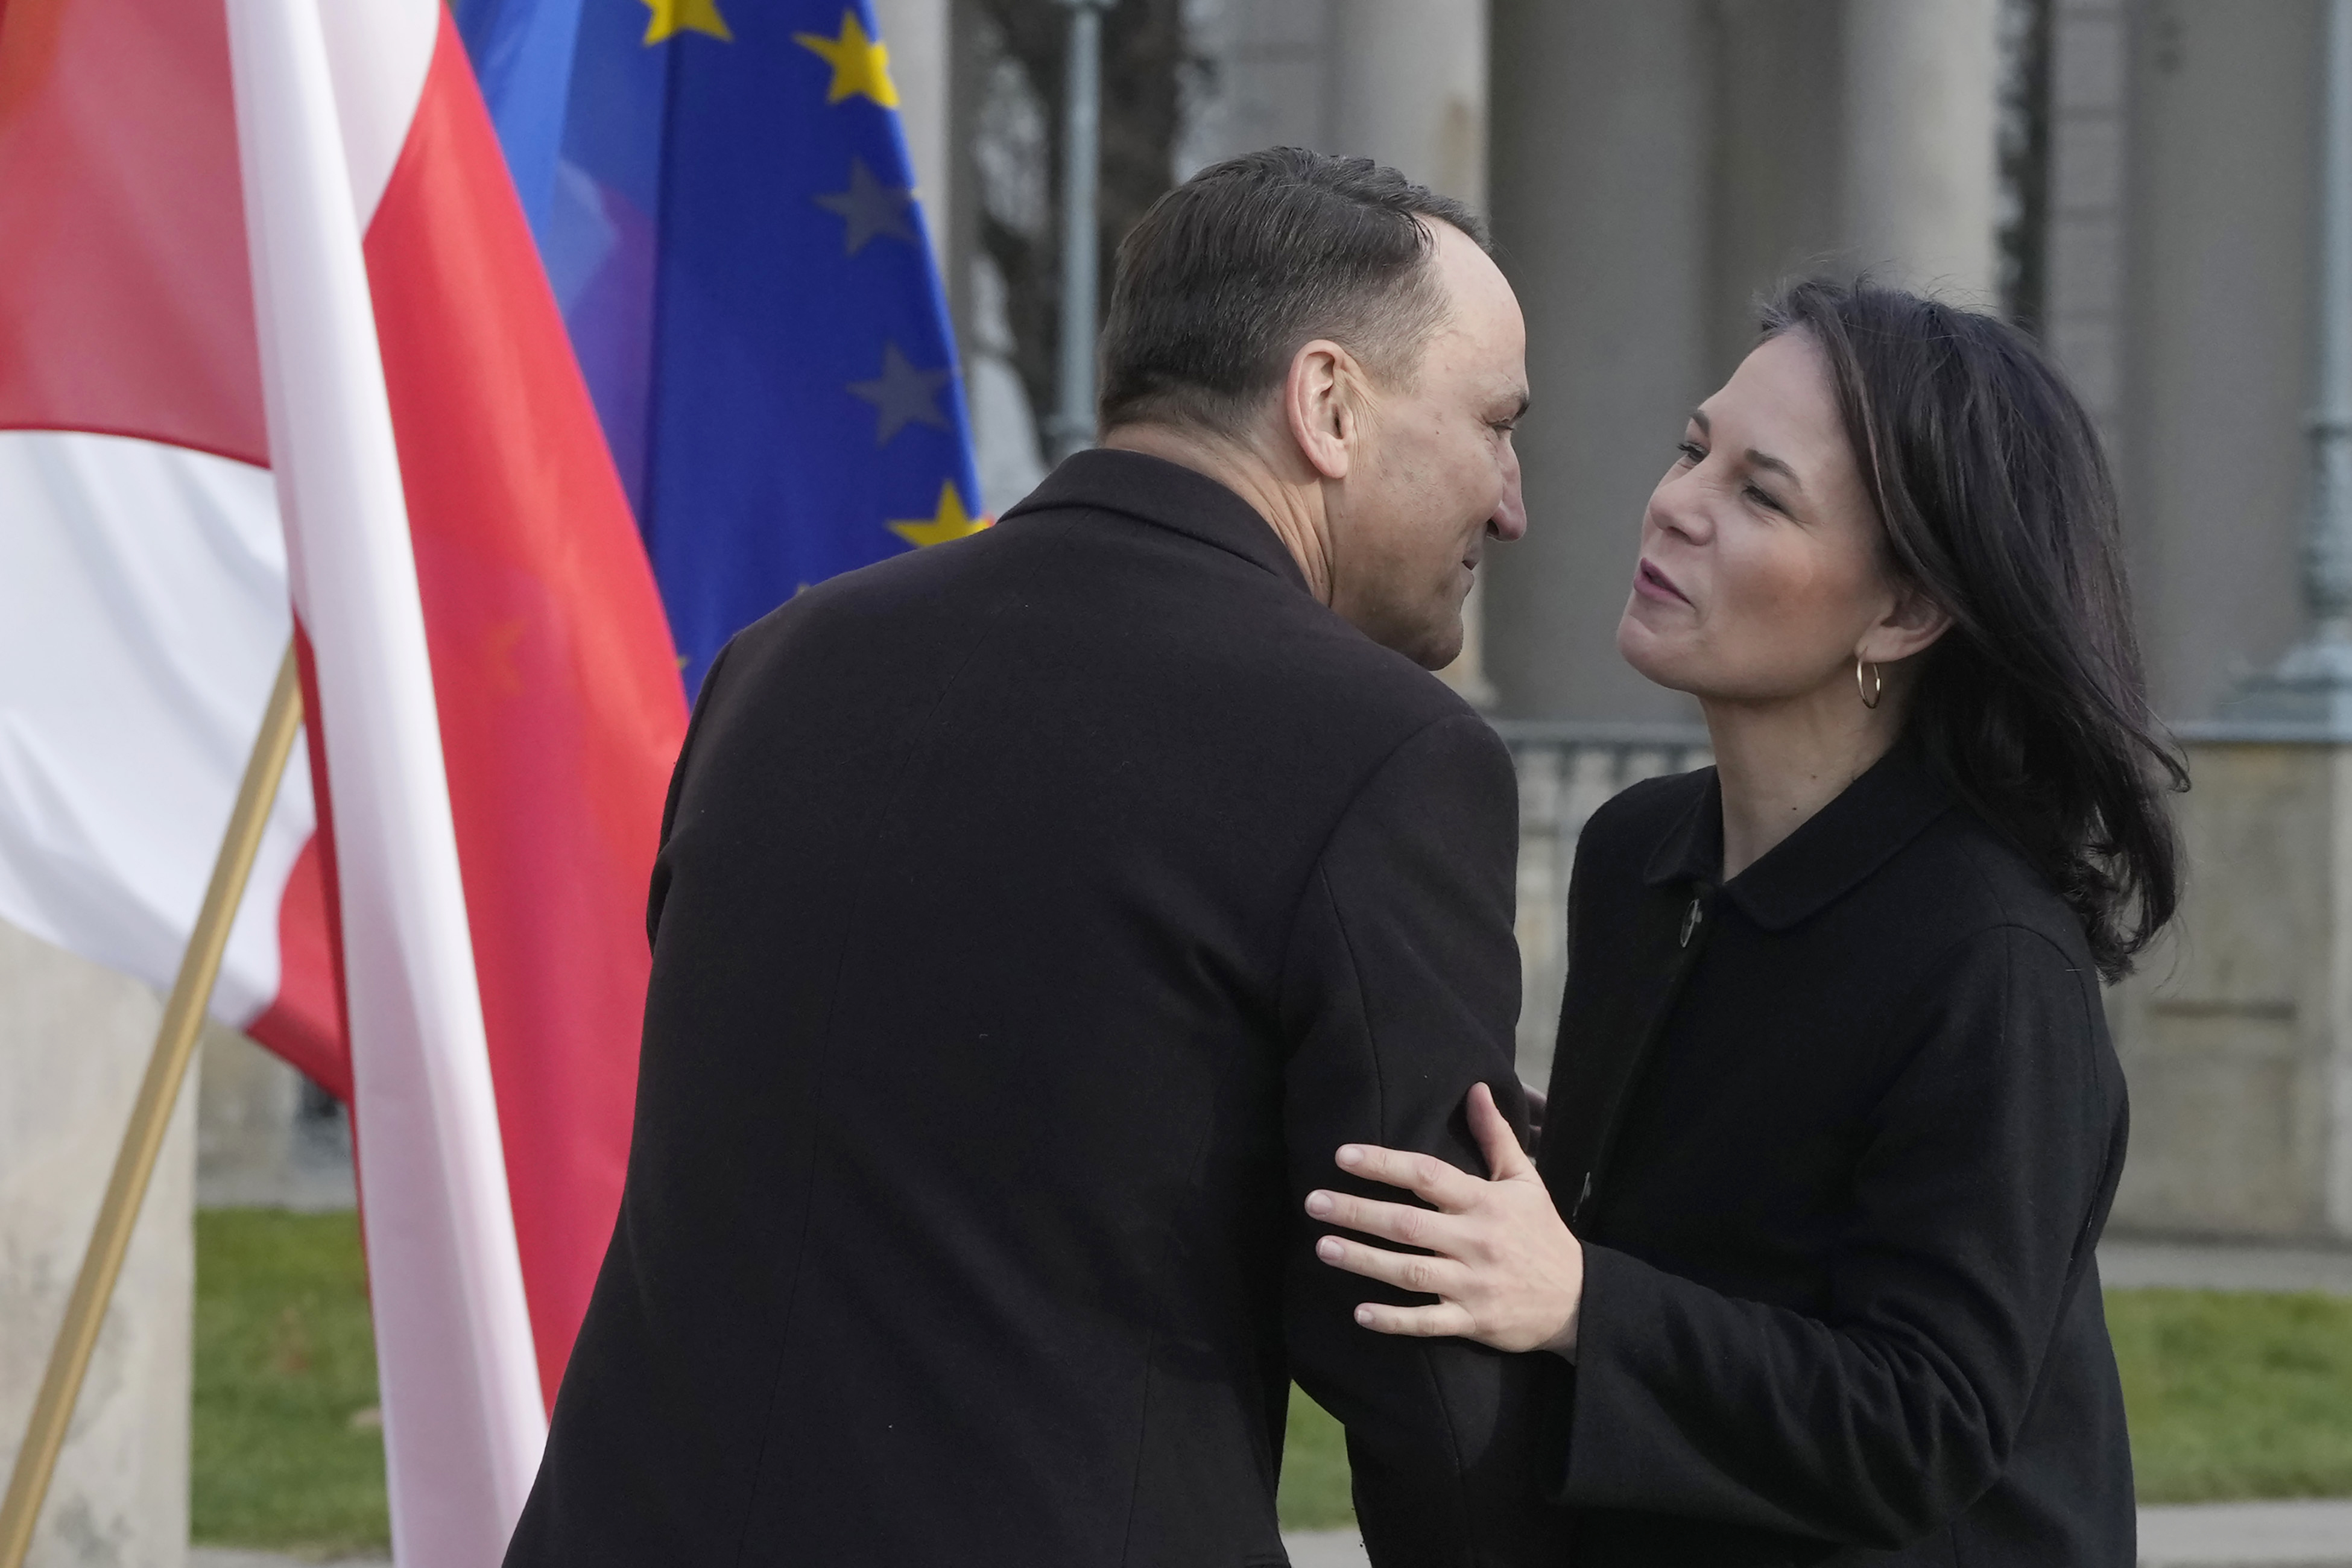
(1922, 176)
(1267, 81)
(1408, 87)
(2222, 153)
(1778, 184)
(921, 65)
(1601, 148)
(2083, 311)
(74, 1040)
(1406, 84)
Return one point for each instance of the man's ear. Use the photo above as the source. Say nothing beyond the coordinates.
(1911, 626)
(1320, 400)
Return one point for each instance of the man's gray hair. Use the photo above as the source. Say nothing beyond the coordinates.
(1231, 271)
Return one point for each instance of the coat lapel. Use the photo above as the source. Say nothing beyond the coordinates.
(1618, 998)
(1623, 984)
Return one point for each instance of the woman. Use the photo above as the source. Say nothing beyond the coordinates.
(1836, 1121)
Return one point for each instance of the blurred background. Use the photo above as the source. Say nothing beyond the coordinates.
(2141, 183)
(2138, 183)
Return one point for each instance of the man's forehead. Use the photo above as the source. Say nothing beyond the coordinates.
(1464, 264)
(1479, 299)
(1486, 359)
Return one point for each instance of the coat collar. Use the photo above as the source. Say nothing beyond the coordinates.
(1841, 845)
(1166, 495)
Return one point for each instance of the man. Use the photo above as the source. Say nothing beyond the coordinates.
(1035, 917)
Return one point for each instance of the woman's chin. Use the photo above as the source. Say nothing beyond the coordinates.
(1653, 656)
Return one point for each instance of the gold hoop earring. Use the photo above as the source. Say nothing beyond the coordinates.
(1876, 689)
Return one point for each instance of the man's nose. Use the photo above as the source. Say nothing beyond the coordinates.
(1510, 517)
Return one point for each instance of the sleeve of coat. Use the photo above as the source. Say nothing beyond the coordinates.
(1981, 1171)
(1400, 988)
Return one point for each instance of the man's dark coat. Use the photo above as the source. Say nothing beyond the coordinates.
(1035, 915)
(1839, 1136)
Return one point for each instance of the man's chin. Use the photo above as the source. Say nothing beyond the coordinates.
(1430, 635)
(1437, 649)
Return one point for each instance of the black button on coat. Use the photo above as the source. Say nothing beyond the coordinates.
(1035, 916)
(1840, 1137)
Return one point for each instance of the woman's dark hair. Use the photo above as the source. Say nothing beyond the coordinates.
(1999, 506)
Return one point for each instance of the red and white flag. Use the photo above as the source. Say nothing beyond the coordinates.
(142, 571)
(496, 703)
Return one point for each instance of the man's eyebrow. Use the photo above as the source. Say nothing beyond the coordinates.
(1521, 407)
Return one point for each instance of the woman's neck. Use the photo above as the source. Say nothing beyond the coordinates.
(1780, 763)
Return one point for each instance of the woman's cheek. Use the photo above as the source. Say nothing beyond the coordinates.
(1778, 590)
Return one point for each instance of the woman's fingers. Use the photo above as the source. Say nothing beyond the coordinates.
(1390, 1222)
(1421, 1322)
(1505, 1161)
(1406, 1271)
(1506, 1270)
(1424, 1175)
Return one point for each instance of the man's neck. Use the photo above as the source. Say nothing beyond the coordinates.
(1292, 505)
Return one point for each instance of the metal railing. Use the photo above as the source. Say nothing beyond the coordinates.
(1566, 771)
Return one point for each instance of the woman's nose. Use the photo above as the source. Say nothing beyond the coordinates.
(1678, 506)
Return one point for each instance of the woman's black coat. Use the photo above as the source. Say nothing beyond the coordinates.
(1838, 1137)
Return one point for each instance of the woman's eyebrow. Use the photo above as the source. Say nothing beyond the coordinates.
(1757, 459)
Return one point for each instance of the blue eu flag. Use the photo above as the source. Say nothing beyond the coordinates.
(722, 197)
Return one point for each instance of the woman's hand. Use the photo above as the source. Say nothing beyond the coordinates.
(1506, 1272)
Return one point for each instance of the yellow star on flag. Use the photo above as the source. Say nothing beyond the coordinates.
(950, 522)
(860, 64)
(685, 17)
(672, 17)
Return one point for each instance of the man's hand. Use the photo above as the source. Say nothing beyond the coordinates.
(1505, 1270)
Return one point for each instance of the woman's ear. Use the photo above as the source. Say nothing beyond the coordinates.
(1319, 401)
(1910, 627)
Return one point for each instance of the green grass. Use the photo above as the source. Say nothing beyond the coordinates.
(1314, 1469)
(2229, 1395)
(2235, 1395)
(284, 1364)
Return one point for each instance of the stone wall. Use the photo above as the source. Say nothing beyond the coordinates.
(2237, 1033)
(74, 1041)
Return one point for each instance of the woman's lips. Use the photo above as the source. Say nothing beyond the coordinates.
(1653, 584)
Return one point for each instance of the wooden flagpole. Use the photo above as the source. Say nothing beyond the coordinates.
(151, 1116)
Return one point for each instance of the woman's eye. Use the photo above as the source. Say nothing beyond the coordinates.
(1692, 451)
(1763, 497)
